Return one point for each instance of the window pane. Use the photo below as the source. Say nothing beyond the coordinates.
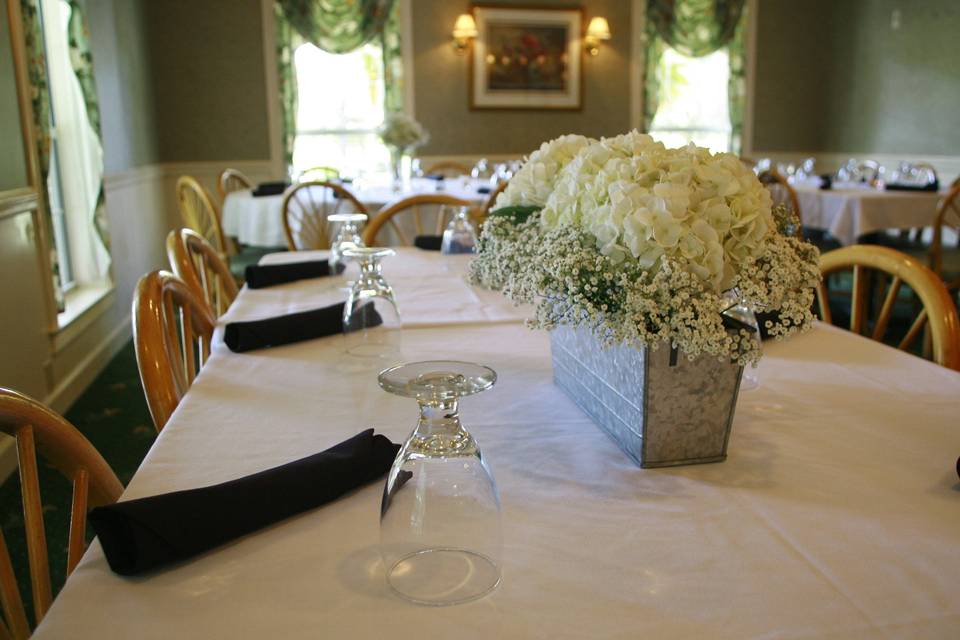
(340, 105)
(693, 100)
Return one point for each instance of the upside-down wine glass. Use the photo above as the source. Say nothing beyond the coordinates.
(440, 531)
(371, 321)
(348, 236)
(459, 236)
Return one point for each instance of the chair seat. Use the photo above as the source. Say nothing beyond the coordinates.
(821, 239)
(249, 255)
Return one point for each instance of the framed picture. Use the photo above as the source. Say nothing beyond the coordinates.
(526, 58)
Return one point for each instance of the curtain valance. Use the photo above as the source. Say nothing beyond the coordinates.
(337, 26)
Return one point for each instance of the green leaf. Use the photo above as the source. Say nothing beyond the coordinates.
(518, 213)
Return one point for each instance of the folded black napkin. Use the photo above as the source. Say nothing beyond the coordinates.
(139, 535)
(294, 327)
(932, 186)
(428, 243)
(259, 276)
(826, 182)
(270, 189)
(483, 190)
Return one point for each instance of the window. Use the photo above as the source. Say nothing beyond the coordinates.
(340, 106)
(693, 101)
(76, 160)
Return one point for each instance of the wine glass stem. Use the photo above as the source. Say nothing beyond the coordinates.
(439, 417)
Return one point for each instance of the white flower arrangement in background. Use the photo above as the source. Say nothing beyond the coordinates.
(402, 132)
(645, 245)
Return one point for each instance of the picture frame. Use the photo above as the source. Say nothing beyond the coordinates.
(527, 58)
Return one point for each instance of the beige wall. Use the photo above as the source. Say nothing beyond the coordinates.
(208, 80)
(441, 87)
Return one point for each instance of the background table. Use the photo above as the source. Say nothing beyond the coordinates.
(851, 213)
(836, 515)
(257, 221)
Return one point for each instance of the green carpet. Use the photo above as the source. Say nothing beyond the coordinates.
(112, 413)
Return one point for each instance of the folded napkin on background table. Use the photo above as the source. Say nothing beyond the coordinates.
(294, 327)
(270, 189)
(933, 186)
(139, 535)
(267, 275)
(428, 243)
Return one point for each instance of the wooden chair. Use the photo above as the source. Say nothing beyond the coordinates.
(195, 262)
(492, 200)
(232, 180)
(783, 193)
(305, 209)
(413, 204)
(938, 311)
(319, 173)
(172, 327)
(448, 169)
(200, 214)
(34, 427)
(947, 264)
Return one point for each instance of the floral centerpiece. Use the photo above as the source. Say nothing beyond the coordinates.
(402, 134)
(631, 245)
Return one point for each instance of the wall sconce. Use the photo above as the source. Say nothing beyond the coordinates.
(597, 31)
(464, 30)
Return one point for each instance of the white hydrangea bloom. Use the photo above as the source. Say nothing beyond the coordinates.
(643, 201)
(534, 182)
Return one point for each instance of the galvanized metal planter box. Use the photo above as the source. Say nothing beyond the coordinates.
(660, 414)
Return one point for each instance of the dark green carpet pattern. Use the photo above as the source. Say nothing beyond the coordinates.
(112, 413)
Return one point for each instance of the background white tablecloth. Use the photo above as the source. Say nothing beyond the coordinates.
(257, 221)
(836, 515)
(851, 213)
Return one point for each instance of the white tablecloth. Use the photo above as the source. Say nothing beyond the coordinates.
(851, 213)
(836, 515)
(257, 221)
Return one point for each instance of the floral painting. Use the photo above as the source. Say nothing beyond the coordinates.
(526, 58)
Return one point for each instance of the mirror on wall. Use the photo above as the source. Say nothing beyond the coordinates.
(13, 166)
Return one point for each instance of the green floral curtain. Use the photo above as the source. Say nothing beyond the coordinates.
(40, 102)
(737, 83)
(287, 42)
(392, 62)
(78, 39)
(695, 28)
(336, 26)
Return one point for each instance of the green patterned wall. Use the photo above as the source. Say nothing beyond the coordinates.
(13, 166)
(840, 77)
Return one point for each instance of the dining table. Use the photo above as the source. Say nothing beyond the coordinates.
(851, 211)
(256, 220)
(835, 515)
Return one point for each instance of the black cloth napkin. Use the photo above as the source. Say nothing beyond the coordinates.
(483, 190)
(259, 276)
(428, 243)
(270, 189)
(295, 327)
(933, 186)
(139, 535)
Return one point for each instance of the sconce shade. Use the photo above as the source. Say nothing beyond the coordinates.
(465, 27)
(599, 29)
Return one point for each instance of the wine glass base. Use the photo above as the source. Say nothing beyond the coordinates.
(443, 576)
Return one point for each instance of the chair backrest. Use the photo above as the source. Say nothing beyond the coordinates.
(948, 214)
(195, 262)
(172, 328)
(35, 427)
(305, 209)
(200, 214)
(492, 200)
(448, 169)
(783, 193)
(232, 180)
(318, 173)
(385, 216)
(871, 266)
